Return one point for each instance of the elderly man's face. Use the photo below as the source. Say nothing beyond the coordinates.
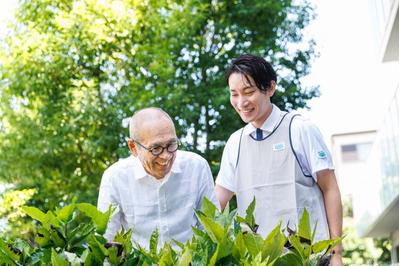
(160, 132)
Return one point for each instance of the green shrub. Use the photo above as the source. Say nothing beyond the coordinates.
(227, 239)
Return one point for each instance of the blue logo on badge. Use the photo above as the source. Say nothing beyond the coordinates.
(278, 146)
(322, 155)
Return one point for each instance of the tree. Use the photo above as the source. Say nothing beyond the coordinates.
(72, 71)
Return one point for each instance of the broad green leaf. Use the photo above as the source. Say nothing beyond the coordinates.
(125, 239)
(214, 230)
(304, 225)
(9, 251)
(273, 244)
(214, 257)
(239, 248)
(321, 246)
(65, 214)
(97, 249)
(52, 220)
(57, 237)
(35, 213)
(254, 243)
(208, 208)
(99, 218)
(113, 255)
(295, 241)
(250, 213)
(185, 259)
(289, 259)
(166, 256)
(225, 248)
(58, 259)
(326, 245)
(79, 234)
(42, 237)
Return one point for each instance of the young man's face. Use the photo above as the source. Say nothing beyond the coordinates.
(156, 133)
(252, 105)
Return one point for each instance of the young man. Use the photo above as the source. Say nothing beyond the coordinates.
(279, 158)
(158, 186)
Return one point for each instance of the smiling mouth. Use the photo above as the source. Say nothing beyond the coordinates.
(246, 111)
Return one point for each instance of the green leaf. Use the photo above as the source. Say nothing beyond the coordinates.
(295, 241)
(57, 237)
(239, 247)
(125, 239)
(79, 234)
(254, 243)
(58, 259)
(42, 237)
(273, 244)
(304, 225)
(35, 213)
(166, 256)
(99, 218)
(213, 229)
(10, 251)
(290, 258)
(208, 208)
(185, 258)
(65, 214)
(154, 243)
(250, 213)
(113, 255)
(97, 249)
(214, 257)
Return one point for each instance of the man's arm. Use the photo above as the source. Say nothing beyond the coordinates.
(106, 198)
(223, 195)
(333, 206)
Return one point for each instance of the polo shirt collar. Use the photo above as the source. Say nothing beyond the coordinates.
(269, 124)
(139, 172)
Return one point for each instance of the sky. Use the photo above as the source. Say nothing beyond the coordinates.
(355, 88)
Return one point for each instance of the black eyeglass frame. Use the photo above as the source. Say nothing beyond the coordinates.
(151, 150)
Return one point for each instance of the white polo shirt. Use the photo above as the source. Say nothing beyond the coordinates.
(145, 203)
(308, 144)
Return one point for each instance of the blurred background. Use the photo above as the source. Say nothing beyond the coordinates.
(73, 72)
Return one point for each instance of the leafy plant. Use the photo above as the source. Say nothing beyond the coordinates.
(227, 239)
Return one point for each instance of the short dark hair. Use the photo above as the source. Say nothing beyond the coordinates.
(253, 66)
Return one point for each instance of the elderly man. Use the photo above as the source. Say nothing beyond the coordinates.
(158, 186)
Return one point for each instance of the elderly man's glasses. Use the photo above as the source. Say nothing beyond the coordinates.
(157, 150)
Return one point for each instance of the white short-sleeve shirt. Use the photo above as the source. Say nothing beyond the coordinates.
(145, 203)
(308, 144)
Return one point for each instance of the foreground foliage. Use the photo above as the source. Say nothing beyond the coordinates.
(63, 239)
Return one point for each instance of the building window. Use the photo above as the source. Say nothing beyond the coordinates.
(356, 152)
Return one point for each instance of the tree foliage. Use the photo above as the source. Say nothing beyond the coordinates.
(72, 71)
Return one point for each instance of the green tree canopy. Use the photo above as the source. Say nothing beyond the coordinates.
(72, 71)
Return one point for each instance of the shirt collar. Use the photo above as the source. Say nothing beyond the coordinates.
(139, 172)
(269, 124)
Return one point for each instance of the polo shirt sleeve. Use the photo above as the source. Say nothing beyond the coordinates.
(311, 151)
(226, 174)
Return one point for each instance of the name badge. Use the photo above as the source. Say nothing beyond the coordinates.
(278, 146)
